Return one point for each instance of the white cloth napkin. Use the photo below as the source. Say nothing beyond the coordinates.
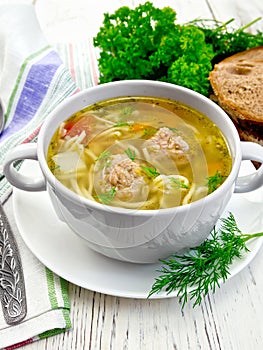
(33, 80)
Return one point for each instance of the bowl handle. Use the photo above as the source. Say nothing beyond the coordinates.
(23, 182)
(250, 151)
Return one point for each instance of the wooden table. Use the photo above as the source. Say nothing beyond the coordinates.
(229, 319)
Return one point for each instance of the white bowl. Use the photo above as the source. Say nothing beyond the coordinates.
(141, 236)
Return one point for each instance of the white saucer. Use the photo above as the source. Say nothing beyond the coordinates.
(57, 247)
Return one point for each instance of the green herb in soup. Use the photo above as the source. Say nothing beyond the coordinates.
(140, 152)
(214, 181)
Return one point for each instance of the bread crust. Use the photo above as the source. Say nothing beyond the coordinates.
(237, 83)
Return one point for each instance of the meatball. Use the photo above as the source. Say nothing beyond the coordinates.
(165, 139)
(126, 176)
(122, 172)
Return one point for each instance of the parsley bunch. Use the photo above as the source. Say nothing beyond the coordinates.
(129, 39)
(147, 43)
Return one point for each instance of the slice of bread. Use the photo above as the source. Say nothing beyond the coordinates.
(237, 83)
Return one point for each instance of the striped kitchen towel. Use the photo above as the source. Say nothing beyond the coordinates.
(34, 79)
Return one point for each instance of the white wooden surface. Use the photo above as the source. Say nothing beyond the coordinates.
(232, 318)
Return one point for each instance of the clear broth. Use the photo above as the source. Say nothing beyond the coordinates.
(139, 153)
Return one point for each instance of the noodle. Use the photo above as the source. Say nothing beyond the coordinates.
(113, 132)
(103, 120)
(90, 179)
(90, 154)
(187, 198)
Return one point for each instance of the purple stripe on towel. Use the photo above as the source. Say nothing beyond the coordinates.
(34, 91)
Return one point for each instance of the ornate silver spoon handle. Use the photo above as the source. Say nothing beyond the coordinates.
(12, 285)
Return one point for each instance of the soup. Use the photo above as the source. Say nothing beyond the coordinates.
(141, 153)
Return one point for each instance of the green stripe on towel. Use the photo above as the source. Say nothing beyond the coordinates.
(64, 290)
(51, 332)
(21, 72)
(51, 289)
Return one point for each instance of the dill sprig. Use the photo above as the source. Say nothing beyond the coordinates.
(105, 155)
(107, 197)
(120, 124)
(177, 184)
(130, 153)
(127, 111)
(214, 181)
(54, 167)
(150, 171)
(193, 274)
